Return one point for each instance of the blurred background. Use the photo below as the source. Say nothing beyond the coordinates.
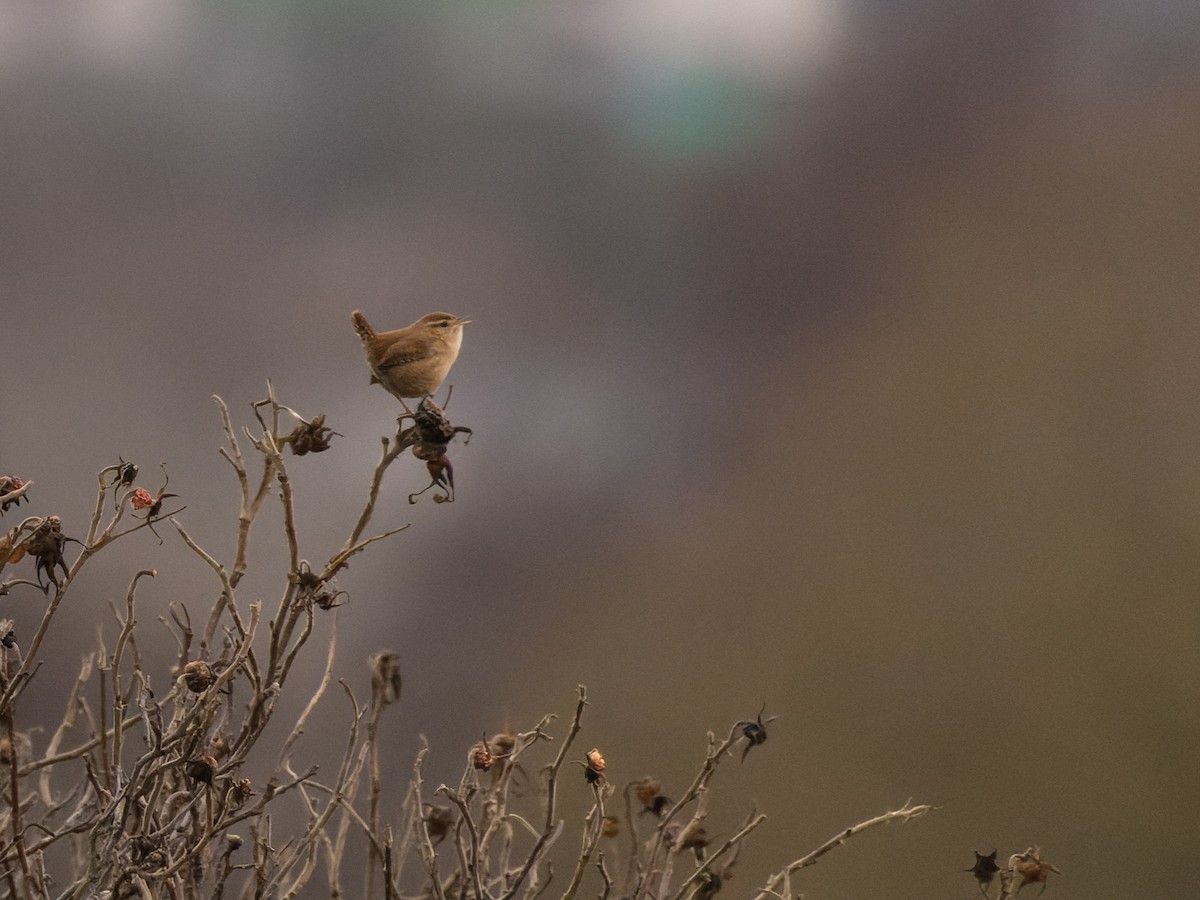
(840, 356)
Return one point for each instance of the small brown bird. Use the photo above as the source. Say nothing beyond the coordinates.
(411, 362)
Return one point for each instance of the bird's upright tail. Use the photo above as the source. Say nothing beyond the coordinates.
(361, 327)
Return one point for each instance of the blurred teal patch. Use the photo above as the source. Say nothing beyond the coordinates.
(695, 115)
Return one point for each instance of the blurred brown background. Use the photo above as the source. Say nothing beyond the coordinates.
(838, 355)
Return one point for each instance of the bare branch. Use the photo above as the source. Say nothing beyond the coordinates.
(904, 814)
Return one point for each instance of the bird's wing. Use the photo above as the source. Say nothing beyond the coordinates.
(401, 356)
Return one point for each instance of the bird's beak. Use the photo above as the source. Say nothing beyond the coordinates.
(464, 321)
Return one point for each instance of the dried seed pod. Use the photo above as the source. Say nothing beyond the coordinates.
(430, 436)
(198, 676)
(329, 598)
(152, 503)
(47, 543)
(141, 499)
(481, 756)
(220, 747)
(610, 826)
(239, 792)
(593, 770)
(233, 842)
(310, 437)
(984, 870)
(755, 732)
(201, 770)
(313, 589)
(1031, 867)
(124, 473)
(11, 493)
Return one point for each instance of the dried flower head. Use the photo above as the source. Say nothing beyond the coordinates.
(126, 472)
(141, 499)
(754, 731)
(1031, 867)
(481, 756)
(46, 544)
(985, 869)
(12, 492)
(310, 437)
(430, 436)
(239, 792)
(201, 770)
(593, 769)
(610, 826)
(198, 676)
(311, 588)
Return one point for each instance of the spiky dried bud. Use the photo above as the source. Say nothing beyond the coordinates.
(198, 676)
(755, 732)
(10, 485)
(481, 756)
(201, 770)
(126, 472)
(985, 868)
(310, 437)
